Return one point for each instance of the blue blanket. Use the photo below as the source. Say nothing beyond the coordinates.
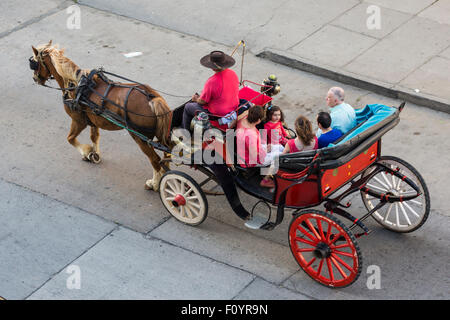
(371, 114)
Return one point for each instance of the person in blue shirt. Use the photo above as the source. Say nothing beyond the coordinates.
(329, 135)
(343, 116)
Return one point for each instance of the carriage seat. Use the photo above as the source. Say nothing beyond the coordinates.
(373, 121)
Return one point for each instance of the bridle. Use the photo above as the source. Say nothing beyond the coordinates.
(36, 66)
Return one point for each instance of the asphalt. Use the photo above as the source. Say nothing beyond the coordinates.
(60, 211)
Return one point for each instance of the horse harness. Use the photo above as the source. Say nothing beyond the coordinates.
(87, 86)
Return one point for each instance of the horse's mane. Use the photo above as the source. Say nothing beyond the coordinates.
(65, 67)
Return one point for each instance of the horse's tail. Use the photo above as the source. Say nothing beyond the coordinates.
(163, 120)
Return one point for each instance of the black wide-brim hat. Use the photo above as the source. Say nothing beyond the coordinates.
(217, 60)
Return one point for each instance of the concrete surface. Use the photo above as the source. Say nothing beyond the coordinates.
(127, 266)
(39, 236)
(35, 157)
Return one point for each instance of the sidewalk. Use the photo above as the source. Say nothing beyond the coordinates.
(408, 57)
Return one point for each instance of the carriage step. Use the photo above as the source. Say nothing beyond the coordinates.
(257, 221)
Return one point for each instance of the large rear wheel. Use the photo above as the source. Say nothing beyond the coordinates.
(324, 248)
(405, 216)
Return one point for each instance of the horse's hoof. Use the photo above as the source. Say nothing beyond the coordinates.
(148, 185)
(94, 157)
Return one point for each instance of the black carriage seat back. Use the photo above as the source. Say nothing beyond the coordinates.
(177, 116)
(371, 127)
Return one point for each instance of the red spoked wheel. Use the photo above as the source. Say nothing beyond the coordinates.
(325, 249)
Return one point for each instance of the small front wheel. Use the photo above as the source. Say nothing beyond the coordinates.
(183, 198)
(325, 248)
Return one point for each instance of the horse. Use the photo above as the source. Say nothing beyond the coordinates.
(145, 107)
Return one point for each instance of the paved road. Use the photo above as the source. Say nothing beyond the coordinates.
(60, 211)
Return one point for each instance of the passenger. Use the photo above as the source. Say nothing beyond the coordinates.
(220, 94)
(329, 135)
(248, 140)
(274, 126)
(306, 140)
(342, 114)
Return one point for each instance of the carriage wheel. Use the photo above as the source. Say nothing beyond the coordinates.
(183, 198)
(325, 249)
(405, 216)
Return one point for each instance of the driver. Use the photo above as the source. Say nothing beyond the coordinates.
(220, 94)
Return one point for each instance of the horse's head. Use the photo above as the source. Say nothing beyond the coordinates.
(40, 63)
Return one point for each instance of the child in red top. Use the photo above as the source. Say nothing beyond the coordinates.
(274, 126)
(306, 140)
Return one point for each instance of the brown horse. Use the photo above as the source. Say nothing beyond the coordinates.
(153, 113)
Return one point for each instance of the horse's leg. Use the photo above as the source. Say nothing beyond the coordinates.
(158, 171)
(94, 156)
(75, 129)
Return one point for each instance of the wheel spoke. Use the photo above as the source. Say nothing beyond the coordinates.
(415, 202)
(346, 254)
(193, 210)
(404, 214)
(341, 246)
(335, 238)
(343, 274)
(187, 192)
(330, 270)
(172, 186)
(182, 212)
(319, 269)
(306, 250)
(383, 174)
(411, 209)
(375, 187)
(195, 205)
(381, 182)
(170, 198)
(170, 192)
(188, 212)
(397, 218)
(319, 224)
(388, 212)
(337, 259)
(311, 262)
(306, 233)
(305, 241)
(311, 227)
(329, 232)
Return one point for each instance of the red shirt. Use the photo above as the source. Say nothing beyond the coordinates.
(221, 92)
(249, 147)
(293, 147)
(278, 126)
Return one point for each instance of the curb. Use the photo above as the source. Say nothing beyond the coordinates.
(385, 89)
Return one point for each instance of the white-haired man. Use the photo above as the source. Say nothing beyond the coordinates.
(342, 114)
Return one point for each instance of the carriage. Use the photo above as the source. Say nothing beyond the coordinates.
(393, 191)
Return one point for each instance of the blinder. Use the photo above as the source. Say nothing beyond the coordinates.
(34, 65)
